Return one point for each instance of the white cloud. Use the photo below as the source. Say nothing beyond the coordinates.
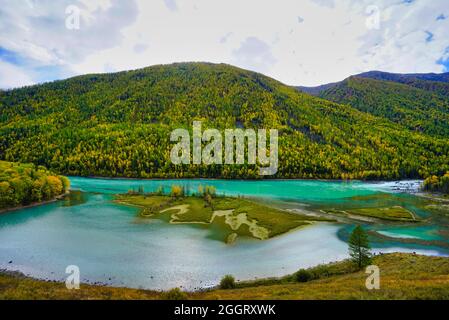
(171, 5)
(37, 32)
(12, 76)
(254, 54)
(331, 41)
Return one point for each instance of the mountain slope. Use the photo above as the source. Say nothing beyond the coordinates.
(430, 82)
(315, 91)
(433, 82)
(119, 125)
(414, 108)
(405, 77)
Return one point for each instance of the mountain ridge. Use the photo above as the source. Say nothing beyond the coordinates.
(419, 102)
(119, 124)
(380, 75)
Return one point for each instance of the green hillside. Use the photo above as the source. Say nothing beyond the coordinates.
(417, 109)
(119, 124)
(437, 83)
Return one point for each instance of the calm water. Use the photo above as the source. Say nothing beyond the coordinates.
(111, 245)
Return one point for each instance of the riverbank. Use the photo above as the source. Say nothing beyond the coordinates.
(34, 204)
(403, 276)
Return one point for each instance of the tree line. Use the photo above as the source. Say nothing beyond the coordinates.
(437, 183)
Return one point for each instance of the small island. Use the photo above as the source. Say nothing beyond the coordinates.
(228, 217)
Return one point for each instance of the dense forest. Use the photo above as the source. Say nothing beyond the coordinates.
(415, 108)
(437, 83)
(119, 125)
(23, 184)
(437, 184)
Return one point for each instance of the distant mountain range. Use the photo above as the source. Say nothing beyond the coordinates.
(119, 124)
(419, 102)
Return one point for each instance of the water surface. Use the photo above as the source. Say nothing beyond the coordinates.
(112, 245)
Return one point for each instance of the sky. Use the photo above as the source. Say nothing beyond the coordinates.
(298, 42)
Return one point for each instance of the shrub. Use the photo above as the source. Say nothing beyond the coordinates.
(160, 191)
(65, 183)
(210, 190)
(207, 191)
(320, 271)
(227, 282)
(177, 191)
(174, 294)
(303, 275)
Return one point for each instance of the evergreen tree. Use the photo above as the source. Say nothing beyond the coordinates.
(359, 248)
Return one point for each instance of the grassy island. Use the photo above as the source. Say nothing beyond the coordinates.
(227, 217)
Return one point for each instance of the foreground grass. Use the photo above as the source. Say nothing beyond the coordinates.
(403, 276)
(229, 217)
(15, 286)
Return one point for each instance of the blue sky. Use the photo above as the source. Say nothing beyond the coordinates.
(307, 42)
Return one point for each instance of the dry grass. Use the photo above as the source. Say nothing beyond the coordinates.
(403, 276)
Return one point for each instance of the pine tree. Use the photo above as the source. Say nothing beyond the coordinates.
(359, 248)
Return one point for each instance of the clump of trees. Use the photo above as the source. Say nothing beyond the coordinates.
(437, 184)
(207, 190)
(174, 294)
(208, 193)
(177, 191)
(227, 282)
(23, 184)
(359, 247)
(303, 275)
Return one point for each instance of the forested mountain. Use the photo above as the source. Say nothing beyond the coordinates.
(419, 102)
(119, 125)
(433, 82)
(315, 91)
(405, 77)
(430, 82)
(414, 108)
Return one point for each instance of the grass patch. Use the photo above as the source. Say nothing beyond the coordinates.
(396, 213)
(403, 276)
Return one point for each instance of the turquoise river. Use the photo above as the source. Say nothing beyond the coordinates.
(112, 245)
